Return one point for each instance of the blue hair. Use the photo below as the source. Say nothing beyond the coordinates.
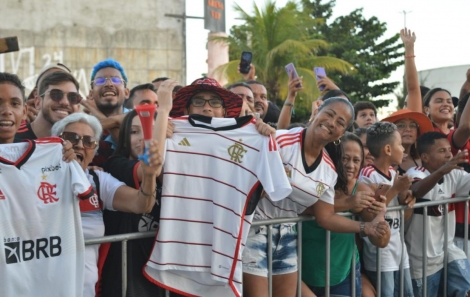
(108, 63)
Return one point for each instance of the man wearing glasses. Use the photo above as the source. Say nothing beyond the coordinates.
(105, 101)
(57, 97)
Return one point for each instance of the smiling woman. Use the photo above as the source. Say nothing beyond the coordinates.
(410, 125)
(83, 131)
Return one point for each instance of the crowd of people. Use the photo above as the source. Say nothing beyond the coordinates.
(219, 159)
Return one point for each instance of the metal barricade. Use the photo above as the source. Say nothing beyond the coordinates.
(124, 238)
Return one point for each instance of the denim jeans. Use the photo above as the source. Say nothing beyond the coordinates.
(390, 283)
(458, 281)
(343, 288)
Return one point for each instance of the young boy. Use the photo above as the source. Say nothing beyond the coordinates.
(12, 106)
(384, 143)
(365, 114)
(439, 178)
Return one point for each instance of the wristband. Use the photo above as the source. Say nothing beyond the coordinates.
(288, 103)
(145, 194)
(362, 227)
(409, 57)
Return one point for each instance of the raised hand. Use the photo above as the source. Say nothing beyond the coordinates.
(165, 95)
(407, 37)
(250, 75)
(461, 157)
(294, 85)
(327, 83)
(402, 183)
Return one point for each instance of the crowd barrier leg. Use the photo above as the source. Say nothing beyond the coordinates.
(353, 274)
(378, 285)
(270, 260)
(327, 268)
(124, 267)
(465, 237)
(403, 247)
(446, 240)
(425, 239)
(299, 259)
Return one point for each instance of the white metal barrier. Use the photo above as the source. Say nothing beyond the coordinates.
(124, 238)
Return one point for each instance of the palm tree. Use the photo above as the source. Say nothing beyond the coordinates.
(276, 37)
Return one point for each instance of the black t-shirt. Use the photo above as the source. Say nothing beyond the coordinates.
(138, 251)
(272, 115)
(25, 132)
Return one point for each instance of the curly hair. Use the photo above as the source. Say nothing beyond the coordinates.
(378, 135)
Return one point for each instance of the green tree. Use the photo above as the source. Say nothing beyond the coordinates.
(277, 36)
(361, 42)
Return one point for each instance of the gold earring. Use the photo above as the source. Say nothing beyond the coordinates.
(337, 142)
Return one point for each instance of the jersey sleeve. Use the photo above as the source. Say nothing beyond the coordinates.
(463, 183)
(81, 187)
(367, 179)
(124, 170)
(416, 174)
(328, 196)
(271, 173)
(108, 187)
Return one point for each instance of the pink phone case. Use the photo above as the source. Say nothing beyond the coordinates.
(320, 71)
(291, 68)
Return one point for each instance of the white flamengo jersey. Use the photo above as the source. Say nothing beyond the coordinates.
(454, 184)
(391, 254)
(309, 184)
(42, 245)
(211, 167)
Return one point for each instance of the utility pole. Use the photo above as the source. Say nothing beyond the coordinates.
(404, 12)
(183, 17)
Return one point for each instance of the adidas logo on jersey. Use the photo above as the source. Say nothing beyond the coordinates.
(184, 142)
(440, 191)
(2, 197)
(26, 250)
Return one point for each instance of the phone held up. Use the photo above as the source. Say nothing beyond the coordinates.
(381, 190)
(320, 71)
(245, 62)
(290, 68)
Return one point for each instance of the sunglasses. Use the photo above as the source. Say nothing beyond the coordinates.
(115, 80)
(74, 138)
(57, 95)
(199, 102)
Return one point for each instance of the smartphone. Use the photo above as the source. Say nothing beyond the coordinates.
(381, 190)
(290, 68)
(320, 71)
(9, 44)
(245, 62)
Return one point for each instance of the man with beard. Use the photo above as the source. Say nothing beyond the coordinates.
(106, 99)
(267, 110)
(57, 97)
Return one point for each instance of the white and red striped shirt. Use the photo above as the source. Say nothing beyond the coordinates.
(309, 183)
(390, 255)
(212, 165)
(41, 244)
(455, 183)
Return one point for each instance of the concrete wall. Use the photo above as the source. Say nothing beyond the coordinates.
(82, 32)
(450, 78)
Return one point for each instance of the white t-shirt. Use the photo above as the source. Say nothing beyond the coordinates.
(211, 166)
(42, 247)
(391, 254)
(308, 184)
(455, 183)
(93, 224)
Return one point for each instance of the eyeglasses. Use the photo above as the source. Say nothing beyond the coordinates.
(199, 102)
(115, 80)
(411, 126)
(57, 95)
(87, 140)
